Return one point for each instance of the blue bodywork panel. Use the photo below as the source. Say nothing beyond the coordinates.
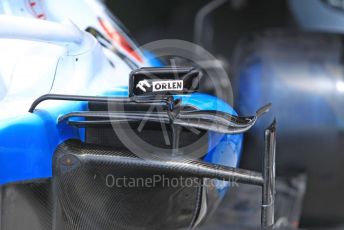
(27, 143)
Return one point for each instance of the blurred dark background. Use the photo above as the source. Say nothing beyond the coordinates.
(155, 19)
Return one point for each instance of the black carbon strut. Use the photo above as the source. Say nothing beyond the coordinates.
(174, 115)
(269, 178)
(124, 100)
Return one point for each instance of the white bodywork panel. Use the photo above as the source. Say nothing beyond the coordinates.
(54, 57)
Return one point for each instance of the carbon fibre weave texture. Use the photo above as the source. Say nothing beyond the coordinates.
(86, 201)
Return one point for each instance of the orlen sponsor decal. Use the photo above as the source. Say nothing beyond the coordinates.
(173, 85)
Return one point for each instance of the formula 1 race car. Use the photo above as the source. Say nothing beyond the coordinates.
(96, 135)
